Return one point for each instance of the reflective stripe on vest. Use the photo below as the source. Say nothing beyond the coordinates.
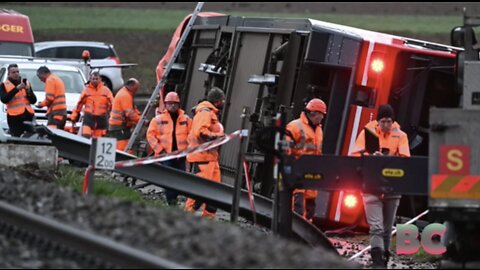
(303, 144)
(59, 103)
(19, 101)
(165, 141)
(89, 106)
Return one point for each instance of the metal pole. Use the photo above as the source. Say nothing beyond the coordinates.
(275, 208)
(238, 179)
(284, 183)
(276, 190)
(285, 214)
(90, 174)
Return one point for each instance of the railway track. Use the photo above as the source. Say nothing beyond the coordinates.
(165, 232)
(93, 250)
(217, 194)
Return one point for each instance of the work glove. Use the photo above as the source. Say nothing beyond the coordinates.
(74, 117)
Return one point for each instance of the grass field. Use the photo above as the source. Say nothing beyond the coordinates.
(73, 177)
(156, 20)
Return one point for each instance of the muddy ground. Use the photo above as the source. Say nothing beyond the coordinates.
(146, 49)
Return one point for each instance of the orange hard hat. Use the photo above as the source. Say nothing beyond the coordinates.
(172, 97)
(317, 105)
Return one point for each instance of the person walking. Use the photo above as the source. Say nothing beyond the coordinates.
(206, 127)
(380, 208)
(97, 100)
(55, 99)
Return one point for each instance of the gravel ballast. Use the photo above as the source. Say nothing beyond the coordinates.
(169, 233)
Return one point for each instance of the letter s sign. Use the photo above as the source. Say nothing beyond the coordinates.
(407, 239)
(454, 159)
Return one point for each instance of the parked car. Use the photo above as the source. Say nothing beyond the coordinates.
(101, 54)
(72, 77)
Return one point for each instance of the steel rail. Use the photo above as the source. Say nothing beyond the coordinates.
(217, 194)
(82, 241)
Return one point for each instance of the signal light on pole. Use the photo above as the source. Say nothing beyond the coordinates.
(377, 65)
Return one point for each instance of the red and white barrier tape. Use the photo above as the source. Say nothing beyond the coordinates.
(181, 153)
(250, 192)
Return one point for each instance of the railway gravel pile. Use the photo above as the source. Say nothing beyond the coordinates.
(169, 233)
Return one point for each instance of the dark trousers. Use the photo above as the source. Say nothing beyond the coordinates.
(57, 120)
(16, 125)
(178, 163)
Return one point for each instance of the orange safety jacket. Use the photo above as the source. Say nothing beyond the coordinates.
(160, 132)
(19, 102)
(124, 113)
(97, 101)
(54, 96)
(307, 142)
(205, 127)
(396, 140)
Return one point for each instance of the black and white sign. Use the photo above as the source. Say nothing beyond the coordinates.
(105, 155)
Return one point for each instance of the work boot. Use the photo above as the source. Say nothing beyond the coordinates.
(387, 257)
(377, 258)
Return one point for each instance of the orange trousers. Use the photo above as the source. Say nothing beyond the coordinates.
(121, 144)
(88, 132)
(209, 171)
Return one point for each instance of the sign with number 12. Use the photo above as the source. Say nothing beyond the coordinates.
(105, 154)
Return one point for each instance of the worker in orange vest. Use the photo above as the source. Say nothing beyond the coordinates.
(381, 209)
(307, 136)
(393, 141)
(168, 132)
(206, 127)
(54, 98)
(98, 100)
(124, 114)
(18, 96)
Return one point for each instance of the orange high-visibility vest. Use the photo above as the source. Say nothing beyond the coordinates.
(97, 101)
(205, 127)
(306, 142)
(396, 140)
(54, 96)
(123, 114)
(160, 132)
(19, 102)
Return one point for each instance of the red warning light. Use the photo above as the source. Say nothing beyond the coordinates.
(350, 201)
(377, 65)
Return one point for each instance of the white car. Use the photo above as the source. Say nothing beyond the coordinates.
(72, 77)
(101, 54)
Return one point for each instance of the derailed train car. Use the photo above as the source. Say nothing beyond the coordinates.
(271, 64)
